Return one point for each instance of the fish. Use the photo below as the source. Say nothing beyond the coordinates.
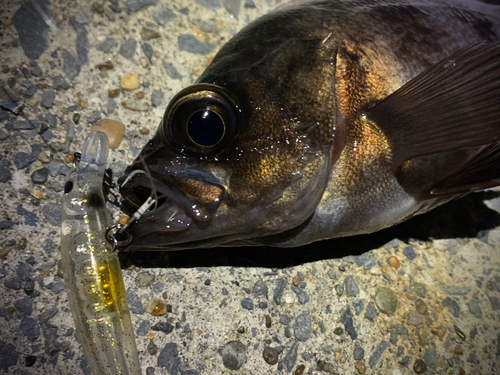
(325, 119)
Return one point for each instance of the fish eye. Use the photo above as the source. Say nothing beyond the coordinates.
(200, 119)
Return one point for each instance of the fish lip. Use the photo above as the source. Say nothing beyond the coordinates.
(170, 215)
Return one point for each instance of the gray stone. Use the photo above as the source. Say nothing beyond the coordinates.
(334, 274)
(106, 45)
(386, 300)
(157, 98)
(358, 353)
(302, 326)
(30, 218)
(351, 287)
(40, 176)
(13, 283)
(37, 71)
(148, 51)
(234, 355)
(94, 117)
(249, 4)
(82, 41)
(134, 302)
(148, 34)
(405, 361)
(473, 358)
(377, 353)
(247, 303)
(47, 137)
(128, 48)
(171, 70)
(452, 305)
(371, 313)
(49, 332)
(32, 30)
(359, 305)
(430, 357)
(457, 291)
(164, 327)
(144, 279)
(302, 295)
(3, 135)
(29, 327)
(48, 314)
(52, 212)
(84, 16)
(9, 356)
(5, 173)
(348, 323)
(400, 329)
(30, 91)
(260, 288)
(189, 43)
(136, 5)
(414, 318)
(29, 135)
(58, 287)
(475, 308)
(111, 106)
(409, 252)
(285, 319)
(48, 99)
(25, 125)
(143, 328)
(163, 16)
(71, 65)
(280, 285)
(5, 115)
(233, 7)
(22, 160)
(495, 302)
(25, 306)
(291, 357)
(209, 4)
(51, 120)
(7, 224)
(23, 271)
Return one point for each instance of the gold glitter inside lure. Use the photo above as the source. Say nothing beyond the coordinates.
(91, 267)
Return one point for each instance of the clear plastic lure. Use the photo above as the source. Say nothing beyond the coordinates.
(91, 268)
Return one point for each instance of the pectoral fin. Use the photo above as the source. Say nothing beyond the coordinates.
(452, 105)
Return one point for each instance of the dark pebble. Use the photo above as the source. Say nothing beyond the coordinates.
(162, 16)
(263, 305)
(302, 295)
(207, 282)
(148, 51)
(51, 120)
(270, 355)
(52, 212)
(247, 303)
(419, 366)
(459, 333)
(302, 326)
(30, 218)
(475, 308)
(358, 304)
(351, 287)
(169, 358)
(452, 305)
(233, 355)
(143, 328)
(71, 65)
(30, 91)
(29, 327)
(358, 353)
(25, 125)
(249, 4)
(37, 71)
(189, 43)
(94, 117)
(134, 302)
(40, 176)
(136, 5)
(348, 323)
(171, 70)
(280, 285)
(164, 327)
(285, 319)
(128, 48)
(48, 99)
(405, 361)
(48, 314)
(430, 357)
(291, 357)
(409, 252)
(157, 98)
(30, 360)
(377, 353)
(29, 287)
(111, 106)
(152, 348)
(495, 302)
(5, 173)
(371, 312)
(8, 356)
(393, 338)
(32, 30)
(13, 283)
(24, 305)
(106, 45)
(473, 358)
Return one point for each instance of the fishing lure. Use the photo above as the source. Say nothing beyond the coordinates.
(91, 267)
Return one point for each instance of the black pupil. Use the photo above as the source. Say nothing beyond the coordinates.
(205, 128)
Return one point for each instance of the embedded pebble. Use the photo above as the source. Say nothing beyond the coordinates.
(5, 174)
(163, 16)
(419, 366)
(169, 358)
(134, 302)
(348, 323)
(358, 353)
(302, 295)
(136, 5)
(475, 308)
(40, 176)
(71, 65)
(260, 288)
(394, 261)
(234, 355)
(31, 28)
(371, 312)
(409, 252)
(148, 34)
(302, 326)
(291, 357)
(452, 305)
(156, 307)
(420, 307)
(164, 327)
(247, 303)
(360, 366)
(128, 48)
(351, 287)
(414, 318)
(270, 355)
(189, 43)
(386, 300)
(106, 45)
(130, 82)
(24, 305)
(359, 305)
(171, 70)
(377, 353)
(52, 212)
(280, 285)
(113, 129)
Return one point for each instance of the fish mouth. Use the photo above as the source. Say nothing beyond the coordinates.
(179, 201)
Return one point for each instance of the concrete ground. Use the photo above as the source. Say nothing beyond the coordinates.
(422, 297)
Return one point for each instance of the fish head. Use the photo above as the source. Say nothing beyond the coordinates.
(242, 154)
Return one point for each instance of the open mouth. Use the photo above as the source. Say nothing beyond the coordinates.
(167, 213)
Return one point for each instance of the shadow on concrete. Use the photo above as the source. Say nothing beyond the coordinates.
(467, 217)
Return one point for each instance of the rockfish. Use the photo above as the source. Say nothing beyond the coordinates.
(325, 119)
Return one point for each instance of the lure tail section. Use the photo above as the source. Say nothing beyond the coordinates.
(91, 268)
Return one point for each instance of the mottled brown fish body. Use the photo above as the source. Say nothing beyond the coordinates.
(328, 119)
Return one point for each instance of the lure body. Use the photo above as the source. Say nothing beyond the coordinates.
(91, 269)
